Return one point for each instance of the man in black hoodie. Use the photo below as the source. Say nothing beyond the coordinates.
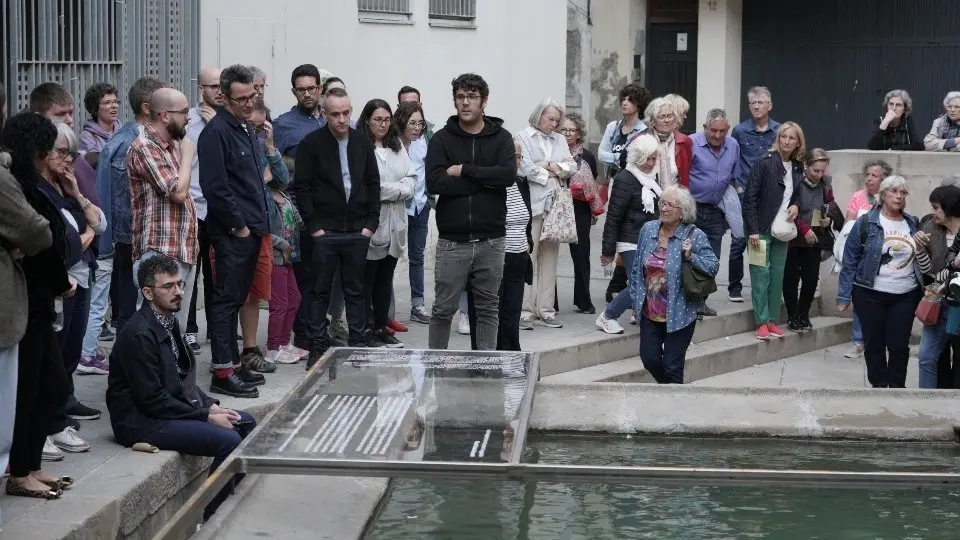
(470, 164)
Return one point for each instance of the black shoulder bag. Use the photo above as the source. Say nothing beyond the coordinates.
(697, 285)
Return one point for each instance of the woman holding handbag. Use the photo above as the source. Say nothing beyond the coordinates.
(766, 216)
(547, 165)
(667, 318)
(940, 228)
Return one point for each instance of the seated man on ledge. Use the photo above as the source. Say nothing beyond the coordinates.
(152, 393)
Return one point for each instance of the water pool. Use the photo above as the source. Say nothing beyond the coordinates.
(468, 509)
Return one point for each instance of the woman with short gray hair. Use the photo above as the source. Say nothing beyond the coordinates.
(546, 165)
(882, 277)
(665, 316)
(896, 129)
(945, 133)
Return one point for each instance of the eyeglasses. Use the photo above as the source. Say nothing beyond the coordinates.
(518, 156)
(758, 103)
(667, 205)
(244, 100)
(171, 286)
(415, 124)
(260, 87)
(306, 90)
(567, 131)
(110, 102)
(953, 107)
(381, 121)
(181, 111)
(64, 153)
(467, 98)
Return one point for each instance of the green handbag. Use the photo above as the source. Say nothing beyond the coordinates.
(697, 285)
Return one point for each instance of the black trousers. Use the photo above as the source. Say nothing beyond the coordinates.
(348, 251)
(304, 325)
(41, 392)
(378, 286)
(802, 266)
(948, 367)
(125, 303)
(511, 300)
(236, 263)
(70, 341)
(580, 253)
(887, 320)
(664, 353)
(203, 240)
(618, 282)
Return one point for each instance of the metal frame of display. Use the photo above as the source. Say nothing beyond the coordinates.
(185, 521)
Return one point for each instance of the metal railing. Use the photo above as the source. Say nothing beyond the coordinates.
(400, 7)
(464, 10)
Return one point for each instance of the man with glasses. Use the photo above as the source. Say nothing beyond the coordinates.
(755, 136)
(470, 164)
(152, 391)
(165, 218)
(231, 179)
(208, 88)
(303, 118)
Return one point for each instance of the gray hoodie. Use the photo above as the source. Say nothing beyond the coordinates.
(93, 138)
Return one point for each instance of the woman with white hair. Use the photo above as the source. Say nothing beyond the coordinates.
(84, 221)
(633, 202)
(666, 318)
(882, 277)
(945, 133)
(674, 149)
(547, 165)
(896, 129)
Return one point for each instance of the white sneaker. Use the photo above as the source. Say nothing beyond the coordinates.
(50, 451)
(855, 352)
(609, 326)
(68, 441)
(463, 323)
(288, 354)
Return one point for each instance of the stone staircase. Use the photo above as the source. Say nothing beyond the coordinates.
(721, 344)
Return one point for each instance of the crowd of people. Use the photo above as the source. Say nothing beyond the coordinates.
(312, 211)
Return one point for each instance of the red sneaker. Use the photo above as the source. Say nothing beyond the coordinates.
(396, 326)
(774, 331)
(763, 333)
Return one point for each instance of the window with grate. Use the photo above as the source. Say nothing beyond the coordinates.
(390, 7)
(457, 10)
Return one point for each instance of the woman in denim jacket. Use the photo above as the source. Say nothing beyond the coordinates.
(882, 277)
(666, 319)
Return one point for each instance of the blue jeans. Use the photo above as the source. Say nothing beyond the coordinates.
(737, 247)
(663, 353)
(463, 306)
(857, 328)
(417, 228)
(713, 223)
(623, 300)
(932, 341)
(99, 294)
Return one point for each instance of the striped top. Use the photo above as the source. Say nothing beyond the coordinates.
(517, 218)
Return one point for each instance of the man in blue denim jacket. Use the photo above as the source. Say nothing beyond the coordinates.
(113, 188)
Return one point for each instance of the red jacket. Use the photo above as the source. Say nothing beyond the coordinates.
(683, 156)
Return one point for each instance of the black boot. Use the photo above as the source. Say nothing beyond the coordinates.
(805, 321)
(232, 386)
(795, 325)
(248, 377)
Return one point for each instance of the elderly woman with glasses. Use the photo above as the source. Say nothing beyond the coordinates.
(674, 149)
(666, 317)
(896, 129)
(945, 133)
(882, 277)
(547, 166)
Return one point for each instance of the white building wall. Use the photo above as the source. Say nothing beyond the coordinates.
(519, 47)
(719, 52)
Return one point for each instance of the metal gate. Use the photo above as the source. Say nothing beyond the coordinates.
(77, 43)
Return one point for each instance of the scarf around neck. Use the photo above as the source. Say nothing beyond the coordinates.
(168, 323)
(651, 189)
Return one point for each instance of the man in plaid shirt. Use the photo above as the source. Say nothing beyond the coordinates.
(158, 164)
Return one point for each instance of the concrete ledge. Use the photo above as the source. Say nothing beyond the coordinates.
(902, 415)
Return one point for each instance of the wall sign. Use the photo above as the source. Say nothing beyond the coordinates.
(681, 42)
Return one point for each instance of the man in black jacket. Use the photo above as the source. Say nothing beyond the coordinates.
(470, 164)
(337, 183)
(231, 179)
(152, 392)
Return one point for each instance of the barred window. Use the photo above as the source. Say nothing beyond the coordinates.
(461, 10)
(397, 7)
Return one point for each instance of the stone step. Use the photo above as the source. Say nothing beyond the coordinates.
(594, 348)
(719, 355)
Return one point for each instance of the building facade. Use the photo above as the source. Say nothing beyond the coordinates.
(377, 46)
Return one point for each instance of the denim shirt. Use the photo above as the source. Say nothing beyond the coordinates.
(861, 262)
(754, 145)
(113, 189)
(680, 313)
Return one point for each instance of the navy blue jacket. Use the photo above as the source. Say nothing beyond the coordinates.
(231, 177)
